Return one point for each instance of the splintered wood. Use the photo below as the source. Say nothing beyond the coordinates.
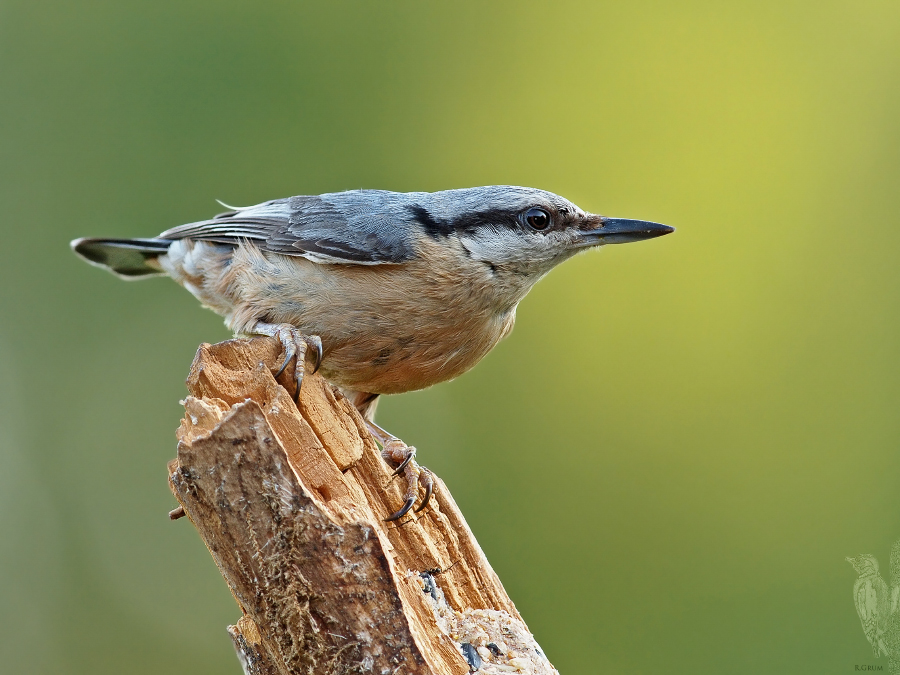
(291, 499)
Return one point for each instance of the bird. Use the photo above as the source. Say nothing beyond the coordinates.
(382, 292)
(872, 597)
(878, 605)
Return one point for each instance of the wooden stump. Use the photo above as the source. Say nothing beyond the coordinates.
(291, 500)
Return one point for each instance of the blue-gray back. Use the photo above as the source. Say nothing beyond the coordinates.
(366, 226)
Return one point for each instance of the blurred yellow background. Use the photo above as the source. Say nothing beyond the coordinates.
(713, 423)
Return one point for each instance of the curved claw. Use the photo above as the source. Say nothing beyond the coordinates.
(429, 488)
(298, 378)
(316, 343)
(409, 457)
(287, 359)
(403, 510)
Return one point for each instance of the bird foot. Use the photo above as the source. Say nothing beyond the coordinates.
(296, 346)
(401, 457)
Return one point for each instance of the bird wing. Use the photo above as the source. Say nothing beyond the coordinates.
(363, 227)
(869, 596)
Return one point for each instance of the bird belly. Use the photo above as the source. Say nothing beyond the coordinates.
(385, 329)
(396, 341)
(392, 362)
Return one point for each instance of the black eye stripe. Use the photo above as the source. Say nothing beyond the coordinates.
(488, 218)
(470, 223)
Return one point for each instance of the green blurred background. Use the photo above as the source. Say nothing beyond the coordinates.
(713, 426)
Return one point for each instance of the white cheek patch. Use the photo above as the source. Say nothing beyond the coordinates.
(529, 251)
(504, 246)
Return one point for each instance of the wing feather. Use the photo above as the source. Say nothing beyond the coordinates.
(359, 227)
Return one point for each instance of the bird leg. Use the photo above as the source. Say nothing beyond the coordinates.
(295, 346)
(401, 457)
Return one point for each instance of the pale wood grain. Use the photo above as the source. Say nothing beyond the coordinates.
(291, 500)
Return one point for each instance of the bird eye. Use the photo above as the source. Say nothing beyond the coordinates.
(537, 218)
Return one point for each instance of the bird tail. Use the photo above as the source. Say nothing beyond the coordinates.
(126, 258)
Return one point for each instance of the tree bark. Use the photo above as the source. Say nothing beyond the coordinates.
(291, 498)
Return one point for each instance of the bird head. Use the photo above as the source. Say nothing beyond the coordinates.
(520, 233)
(864, 564)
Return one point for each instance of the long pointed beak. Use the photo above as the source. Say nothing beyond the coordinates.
(623, 231)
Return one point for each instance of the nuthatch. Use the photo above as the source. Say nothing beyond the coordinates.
(391, 291)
